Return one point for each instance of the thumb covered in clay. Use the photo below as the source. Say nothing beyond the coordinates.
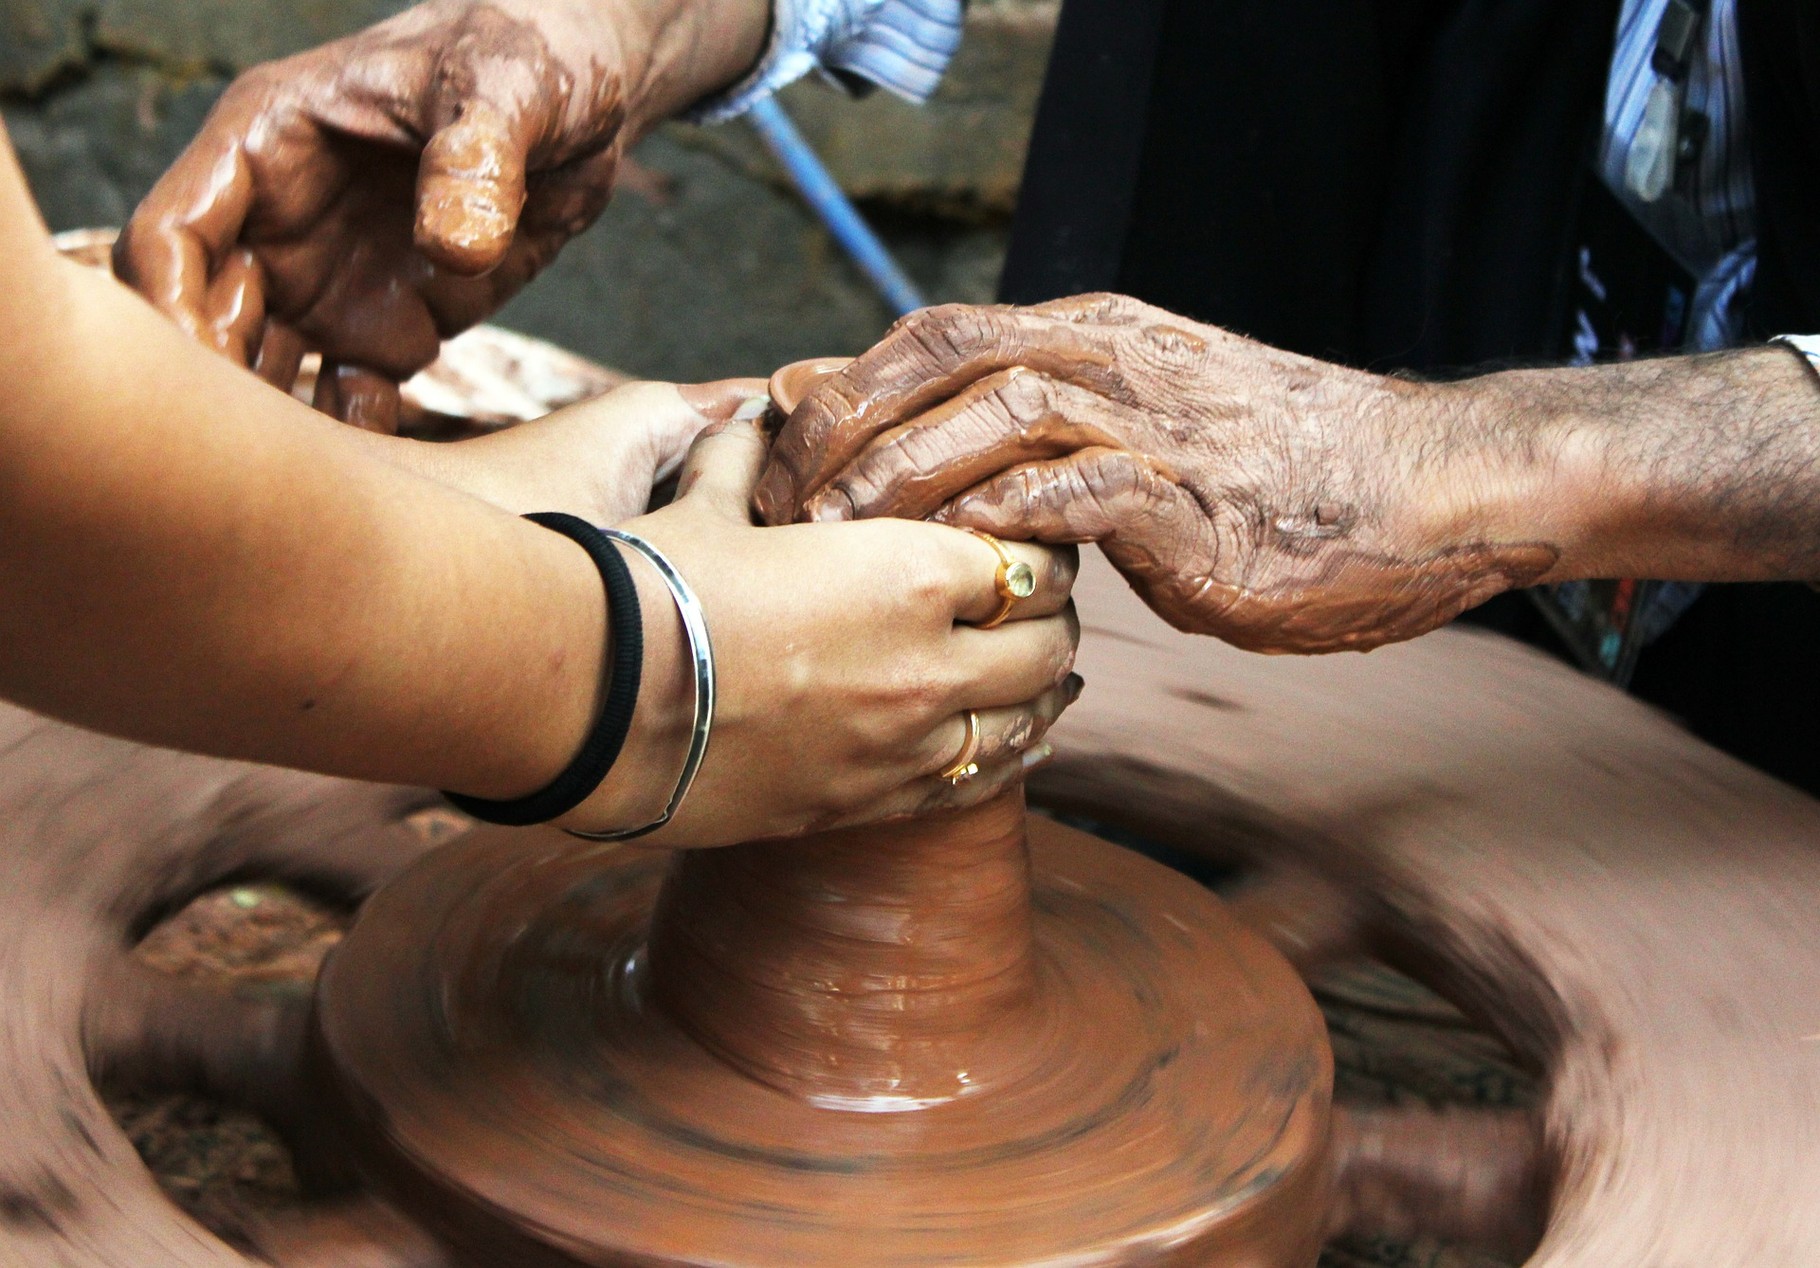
(471, 186)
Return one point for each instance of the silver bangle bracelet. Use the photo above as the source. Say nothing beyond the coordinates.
(701, 653)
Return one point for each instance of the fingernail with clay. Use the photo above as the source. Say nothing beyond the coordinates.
(1038, 756)
(776, 495)
(831, 507)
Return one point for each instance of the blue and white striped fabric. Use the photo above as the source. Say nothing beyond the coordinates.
(901, 45)
(1711, 229)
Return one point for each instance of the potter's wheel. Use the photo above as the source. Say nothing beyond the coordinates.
(1630, 910)
(1104, 1067)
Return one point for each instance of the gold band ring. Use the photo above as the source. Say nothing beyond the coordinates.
(963, 767)
(1015, 580)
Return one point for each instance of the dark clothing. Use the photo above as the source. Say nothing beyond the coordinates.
(1396, 184)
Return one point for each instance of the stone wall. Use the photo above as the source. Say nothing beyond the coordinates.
(706, 265)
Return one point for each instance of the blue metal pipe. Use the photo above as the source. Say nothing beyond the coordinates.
(831, 204)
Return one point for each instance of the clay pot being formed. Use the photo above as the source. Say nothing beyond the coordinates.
(980, 1038)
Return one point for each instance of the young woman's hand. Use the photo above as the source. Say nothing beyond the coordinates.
(600, 459)
(847, 664)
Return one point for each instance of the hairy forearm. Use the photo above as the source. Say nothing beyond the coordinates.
(1696, 468)
(191, 559)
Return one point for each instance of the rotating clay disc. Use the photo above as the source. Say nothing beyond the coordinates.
(1088, 1061)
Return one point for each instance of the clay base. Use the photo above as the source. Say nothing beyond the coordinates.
(486, 1027)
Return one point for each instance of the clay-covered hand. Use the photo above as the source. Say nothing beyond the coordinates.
(1282, 503)
(846, 663)
(374, 196)
(600, 459)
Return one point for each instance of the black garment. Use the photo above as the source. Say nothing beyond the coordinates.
(1395, 184)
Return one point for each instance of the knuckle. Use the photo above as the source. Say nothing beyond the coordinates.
(1064, 645)
(1090, 307)
(1026, 399)
(956, 333)
(883, 732)
(927, 694)
(1174, 345)
(925, 587)
(1060, 567)
(1106, 303)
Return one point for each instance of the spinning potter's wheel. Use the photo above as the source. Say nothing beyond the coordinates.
(911, 1044)
(1630, 910)
(920, 1044)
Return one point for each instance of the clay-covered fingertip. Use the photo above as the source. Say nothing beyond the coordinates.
(831, 506)
(959, 512)
(775, 498)
(469, 241)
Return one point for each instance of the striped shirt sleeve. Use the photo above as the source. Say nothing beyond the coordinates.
(1807, 345)
(900, 45)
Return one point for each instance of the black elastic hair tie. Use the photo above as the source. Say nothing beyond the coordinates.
(601, 749)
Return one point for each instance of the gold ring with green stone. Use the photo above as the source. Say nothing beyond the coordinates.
(1016, 580)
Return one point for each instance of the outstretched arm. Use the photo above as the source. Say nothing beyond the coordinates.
(1286, 504)
(191, 558)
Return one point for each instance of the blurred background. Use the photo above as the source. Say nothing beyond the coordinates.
(707, 264)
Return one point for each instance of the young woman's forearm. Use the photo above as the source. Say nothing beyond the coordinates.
(190, 558)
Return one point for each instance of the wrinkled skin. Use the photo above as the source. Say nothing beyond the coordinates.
(844, 685)
(371, 197)
(1282, 503)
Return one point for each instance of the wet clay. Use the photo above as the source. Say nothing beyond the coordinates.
(367, 199)
(1275, 501)
(791, 385)
(1631, 910)
(917, 1044)
(908, 1044)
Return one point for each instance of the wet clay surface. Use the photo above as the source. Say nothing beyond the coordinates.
(884, 1046)
(1394, 1044)
(1630, 911)
(1278, 502)
(1563, 924)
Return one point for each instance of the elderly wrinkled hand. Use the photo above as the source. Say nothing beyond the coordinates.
(1282, 503)
(371, 197)
(862, 672)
